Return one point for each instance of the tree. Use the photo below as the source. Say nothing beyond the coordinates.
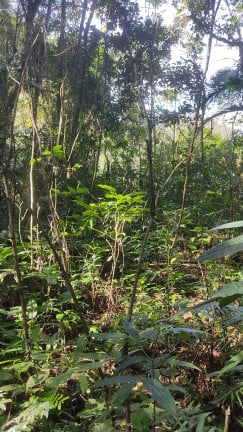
(226, 84)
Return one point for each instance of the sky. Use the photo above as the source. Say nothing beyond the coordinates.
(222, 57)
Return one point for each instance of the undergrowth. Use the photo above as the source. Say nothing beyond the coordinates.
(177, 363)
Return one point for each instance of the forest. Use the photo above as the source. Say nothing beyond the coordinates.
(121, 216)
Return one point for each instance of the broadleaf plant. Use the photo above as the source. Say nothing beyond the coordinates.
(229, 299)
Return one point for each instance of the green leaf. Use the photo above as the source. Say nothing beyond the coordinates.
(176, 388)
(22, 367)
(35, 333)
(5, 376)
(58, 400)
(227, 294)
(228, 300)
(140, 421)
(111, 336)
(161, 395)
(58, 152)
(224, 296)
(150, 334)
(134, 359)
(234, 361)
(119, 379)
(33, 161)
(130, 329)
(76, 166)
(122, 394)
(102, 425)
(56, 191)
(79, 201)
(187, 330)
(26, 419)
(230, 289)
(5, 252)
(60, 379)
(91, 366)
(107, 187)
(82, 190)
(4, 402)
(83, 382)
(51, 275)
(200, 421)
(159, 361)
(38, 379)
(158, 392)
(12, 388)
(233, 315)
(185, 364)
(228, 247)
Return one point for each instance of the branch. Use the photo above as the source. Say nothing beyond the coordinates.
(232, 43)
(233, 108)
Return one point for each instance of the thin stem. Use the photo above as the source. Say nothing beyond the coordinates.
(138, 270)
(65, 275)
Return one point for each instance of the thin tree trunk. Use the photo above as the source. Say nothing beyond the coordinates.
(197, 120)
(11, 216)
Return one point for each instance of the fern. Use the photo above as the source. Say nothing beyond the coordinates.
(58, 400)
(36, 410)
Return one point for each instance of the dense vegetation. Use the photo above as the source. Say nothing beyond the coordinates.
(120, 310)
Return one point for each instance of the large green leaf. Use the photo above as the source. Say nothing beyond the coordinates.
(130, 329)
(5, 252)
(200, 421)
(161, 395)
(119, 379)
(183, 364)
(232, 288)
(12, 388)
(5, 376)
(228, 247)
(159, 361)
(60, 379)
(236, 224)
(140, 420)
(110, 336)
(122, 394)
(91, 365)
(224, 296)
(131, 360)
(187, 330)
(234, 361)
(229, 293)
(107, 187)
(233, 315)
